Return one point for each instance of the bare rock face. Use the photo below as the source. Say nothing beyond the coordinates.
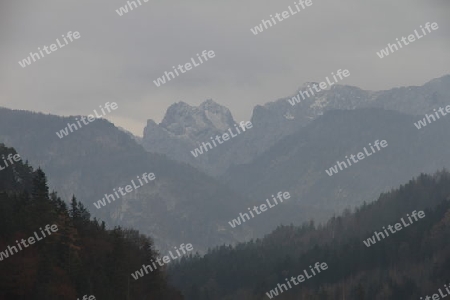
(184, 127)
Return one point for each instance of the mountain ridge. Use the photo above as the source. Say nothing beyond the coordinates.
(277, 119)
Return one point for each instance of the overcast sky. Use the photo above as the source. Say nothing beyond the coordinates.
(118, 57)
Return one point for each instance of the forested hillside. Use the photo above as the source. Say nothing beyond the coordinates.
(80, 258)
(406, 265)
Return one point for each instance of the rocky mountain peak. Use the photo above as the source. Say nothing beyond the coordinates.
(185, 126)
(184, 119)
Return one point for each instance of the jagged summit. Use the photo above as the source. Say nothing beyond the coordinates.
(184, 119)
(209, 104)
(184, 127)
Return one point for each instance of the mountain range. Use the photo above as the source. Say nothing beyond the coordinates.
(180, 205)
(288, 149)
(184, 127)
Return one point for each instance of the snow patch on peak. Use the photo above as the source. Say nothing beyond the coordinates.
(219, 116)
(289, 116)
(320, 103)
(306, 84)
(218, 120)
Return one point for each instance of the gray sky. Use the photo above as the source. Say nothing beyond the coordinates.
(117, 58)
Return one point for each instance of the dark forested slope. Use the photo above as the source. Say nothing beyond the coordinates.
(80, 258)
(406, 265)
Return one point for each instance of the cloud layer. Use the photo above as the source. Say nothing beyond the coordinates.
(117, 58)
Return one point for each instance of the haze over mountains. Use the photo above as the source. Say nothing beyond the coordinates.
(298, 162)
(288, 148)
